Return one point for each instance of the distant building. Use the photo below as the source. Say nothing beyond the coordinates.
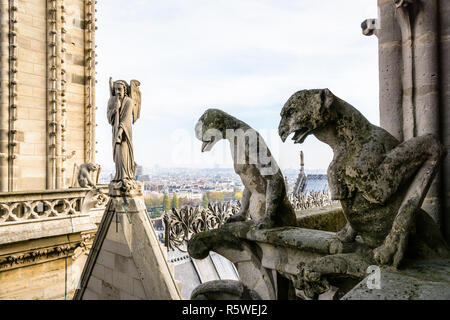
(311, 182)
(300, 184)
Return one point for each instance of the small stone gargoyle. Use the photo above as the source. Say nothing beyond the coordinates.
(264, 198)
(380, 182)
(84, 174)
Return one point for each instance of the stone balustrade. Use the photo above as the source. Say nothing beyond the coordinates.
(181, 224)
(38, 205)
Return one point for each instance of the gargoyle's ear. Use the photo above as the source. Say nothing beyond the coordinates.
(327, 98)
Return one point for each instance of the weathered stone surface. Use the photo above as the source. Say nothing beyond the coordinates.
(371, 174)
(330, 218)
(264, 197)
(256, 251)
(444, 111)
(421, 281)
(243, 254)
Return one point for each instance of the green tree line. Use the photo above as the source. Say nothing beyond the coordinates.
(167, 204)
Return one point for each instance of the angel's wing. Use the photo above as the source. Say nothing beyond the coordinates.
(111, 86)
(135, 95)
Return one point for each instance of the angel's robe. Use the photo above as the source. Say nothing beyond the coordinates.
(123, 150)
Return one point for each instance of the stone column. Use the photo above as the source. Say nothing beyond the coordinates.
(444, 90)
(4, 98)
(52, 94)
(390, 69)
(409, 75)
(89, 36)
(12, 101)
(426, 86)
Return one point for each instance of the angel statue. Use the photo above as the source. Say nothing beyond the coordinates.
(124, 106)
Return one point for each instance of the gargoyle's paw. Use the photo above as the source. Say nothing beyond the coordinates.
(311, 276)
(308, 274)
(383, 254)
(236, 218)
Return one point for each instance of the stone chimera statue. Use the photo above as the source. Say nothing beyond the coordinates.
(264, 198)
(380, 182)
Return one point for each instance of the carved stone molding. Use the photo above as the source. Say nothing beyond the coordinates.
(85, 245)
(37, 206)
(40, 255)
(19, 256)
(89, 36)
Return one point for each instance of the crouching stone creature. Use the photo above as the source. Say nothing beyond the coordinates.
(380, 182)
(264, 198)
(84, 174)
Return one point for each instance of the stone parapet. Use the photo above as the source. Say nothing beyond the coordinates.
(35, 206)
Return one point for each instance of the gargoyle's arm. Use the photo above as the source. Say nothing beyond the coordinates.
(274, 194)
(399, 165)
(87, 175)
(245, 201)
(395, 244)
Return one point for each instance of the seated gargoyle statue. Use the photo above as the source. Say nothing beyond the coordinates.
(264, 198)
(84, 175)
(380, 182)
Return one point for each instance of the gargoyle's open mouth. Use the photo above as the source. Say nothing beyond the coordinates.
(300, 135)
(207, 145)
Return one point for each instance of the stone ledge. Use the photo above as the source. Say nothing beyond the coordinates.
(422, 280)
(329, 218)
(46, 228)
(302, 239)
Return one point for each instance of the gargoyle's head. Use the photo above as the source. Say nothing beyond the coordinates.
(212, 126)
(305, 112)
(92, 166)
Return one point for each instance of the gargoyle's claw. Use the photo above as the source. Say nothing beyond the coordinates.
(311, 282)
(383, 254)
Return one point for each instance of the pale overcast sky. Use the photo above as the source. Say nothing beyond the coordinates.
(246, 57)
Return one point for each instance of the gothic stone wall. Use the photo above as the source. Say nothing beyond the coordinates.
(49, 51)
(431, 76)
(43, 269)
(444, 43)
